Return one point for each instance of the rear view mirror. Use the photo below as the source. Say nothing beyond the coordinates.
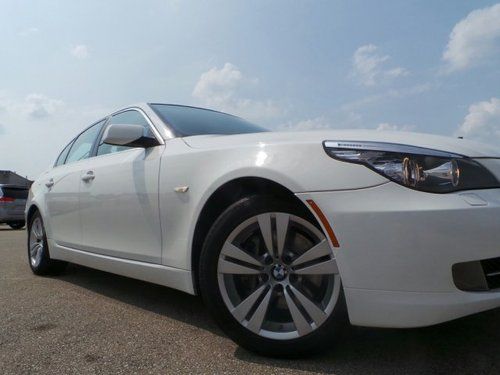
(128, 135)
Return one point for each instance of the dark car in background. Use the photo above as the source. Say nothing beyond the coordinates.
(13, 193)
(12, 204)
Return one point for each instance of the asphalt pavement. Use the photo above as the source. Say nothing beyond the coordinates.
(91, 322)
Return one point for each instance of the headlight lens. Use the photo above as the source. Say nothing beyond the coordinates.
(415, 167)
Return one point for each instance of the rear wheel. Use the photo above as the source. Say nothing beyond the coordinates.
(270, 279)
(38, 250)
(16, 224)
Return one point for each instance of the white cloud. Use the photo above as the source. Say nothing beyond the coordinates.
(335, 120)
(40, 106)
(33, 106)
(39, 125)
(226, 89)
(80, 51)
(369, 67)
(473, 39)
(482, 123)
(218, 84)
(394, 127)
(316, 123)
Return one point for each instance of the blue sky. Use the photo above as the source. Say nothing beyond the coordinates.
(426, 66)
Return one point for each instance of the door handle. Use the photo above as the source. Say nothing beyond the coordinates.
(50, 183)
(89, 176)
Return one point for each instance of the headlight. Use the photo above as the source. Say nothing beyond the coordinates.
(415, 167)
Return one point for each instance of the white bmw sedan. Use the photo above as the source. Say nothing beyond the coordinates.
(284, 235)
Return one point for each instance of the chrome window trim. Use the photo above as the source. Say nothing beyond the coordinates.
(168, 133)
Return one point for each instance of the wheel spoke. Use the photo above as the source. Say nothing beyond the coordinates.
(235, 252)
(302, 325)
(281, 231)
(38, 253)
(228, 267)
(241, 311)
(320, 250)
(323, 268)
(266, 230)
(40, 229)
(37, 230)
(316, 314)
(35, 253)
(33, 249)
(255, 322)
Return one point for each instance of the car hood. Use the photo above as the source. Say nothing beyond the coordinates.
(453, 145)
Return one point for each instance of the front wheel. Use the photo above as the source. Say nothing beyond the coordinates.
(270, 279)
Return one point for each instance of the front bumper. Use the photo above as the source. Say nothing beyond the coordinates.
(398, 247)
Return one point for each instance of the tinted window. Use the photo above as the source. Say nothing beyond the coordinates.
(125, 118)
(82, 146)
(195, 121)
(14, 192)
(62, 156)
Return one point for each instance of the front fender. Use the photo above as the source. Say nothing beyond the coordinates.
(297, 167)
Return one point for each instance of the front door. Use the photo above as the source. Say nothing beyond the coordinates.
(119, 199)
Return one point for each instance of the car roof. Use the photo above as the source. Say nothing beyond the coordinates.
(187, 106)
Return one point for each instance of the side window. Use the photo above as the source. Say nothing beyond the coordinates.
(82, 146)
(130, 117)
(62, 156)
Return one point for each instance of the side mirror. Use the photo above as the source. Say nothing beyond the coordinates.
(128, 135)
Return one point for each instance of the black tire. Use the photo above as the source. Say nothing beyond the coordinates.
(16, 225)
(45, 266)
(314, 342)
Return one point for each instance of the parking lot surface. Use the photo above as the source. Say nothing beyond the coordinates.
(86, 321)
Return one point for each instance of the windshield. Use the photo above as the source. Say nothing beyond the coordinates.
(187, 121)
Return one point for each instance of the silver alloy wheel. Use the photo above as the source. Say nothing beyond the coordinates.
(278, 276)
(36, 242)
